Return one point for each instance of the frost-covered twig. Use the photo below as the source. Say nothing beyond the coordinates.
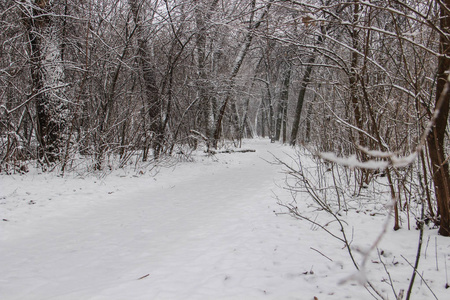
(391, 283)
(384, 159)
(31, 97)
(326, 207)
(423, 280)
(360, 275)
(321, 253)
(295, 213)
(419, 249)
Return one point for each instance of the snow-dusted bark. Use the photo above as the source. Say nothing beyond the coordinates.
(203, 13)
(149, 80)
(301, 98)
(280, 129)
(47, 76)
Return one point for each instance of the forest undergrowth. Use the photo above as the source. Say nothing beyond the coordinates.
(333, 198)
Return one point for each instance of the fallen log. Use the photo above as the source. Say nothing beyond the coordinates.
(230, 151)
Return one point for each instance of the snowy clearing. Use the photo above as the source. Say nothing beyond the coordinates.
(209, 229)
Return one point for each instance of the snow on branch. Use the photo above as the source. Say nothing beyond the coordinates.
(392, 158)
(353, 162)
(382, 159)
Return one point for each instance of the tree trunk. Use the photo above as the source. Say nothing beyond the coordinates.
(149, 77)
(243, 126)
(268, 110)
(305, 82)
(353, 76)
(202, 83)
(436, 139)
(263, 119)
(308, 122)
(301, 99)
(282, 107)
(47, 77)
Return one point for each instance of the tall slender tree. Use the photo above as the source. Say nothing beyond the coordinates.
(153, 98)
(254, 25)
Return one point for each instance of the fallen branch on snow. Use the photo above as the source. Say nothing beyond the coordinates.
(230, 151)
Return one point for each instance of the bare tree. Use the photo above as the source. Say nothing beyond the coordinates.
(254, 25)
(149, 77)
(202, 15)
(47, 74)
(436, 139)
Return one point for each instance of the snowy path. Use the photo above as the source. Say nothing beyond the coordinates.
(204, 230)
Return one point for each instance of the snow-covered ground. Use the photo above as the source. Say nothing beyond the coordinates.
(208, 229)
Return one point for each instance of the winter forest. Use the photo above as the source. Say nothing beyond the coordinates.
(319, 126)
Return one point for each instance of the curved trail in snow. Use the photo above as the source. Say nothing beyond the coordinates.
(204, 230)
